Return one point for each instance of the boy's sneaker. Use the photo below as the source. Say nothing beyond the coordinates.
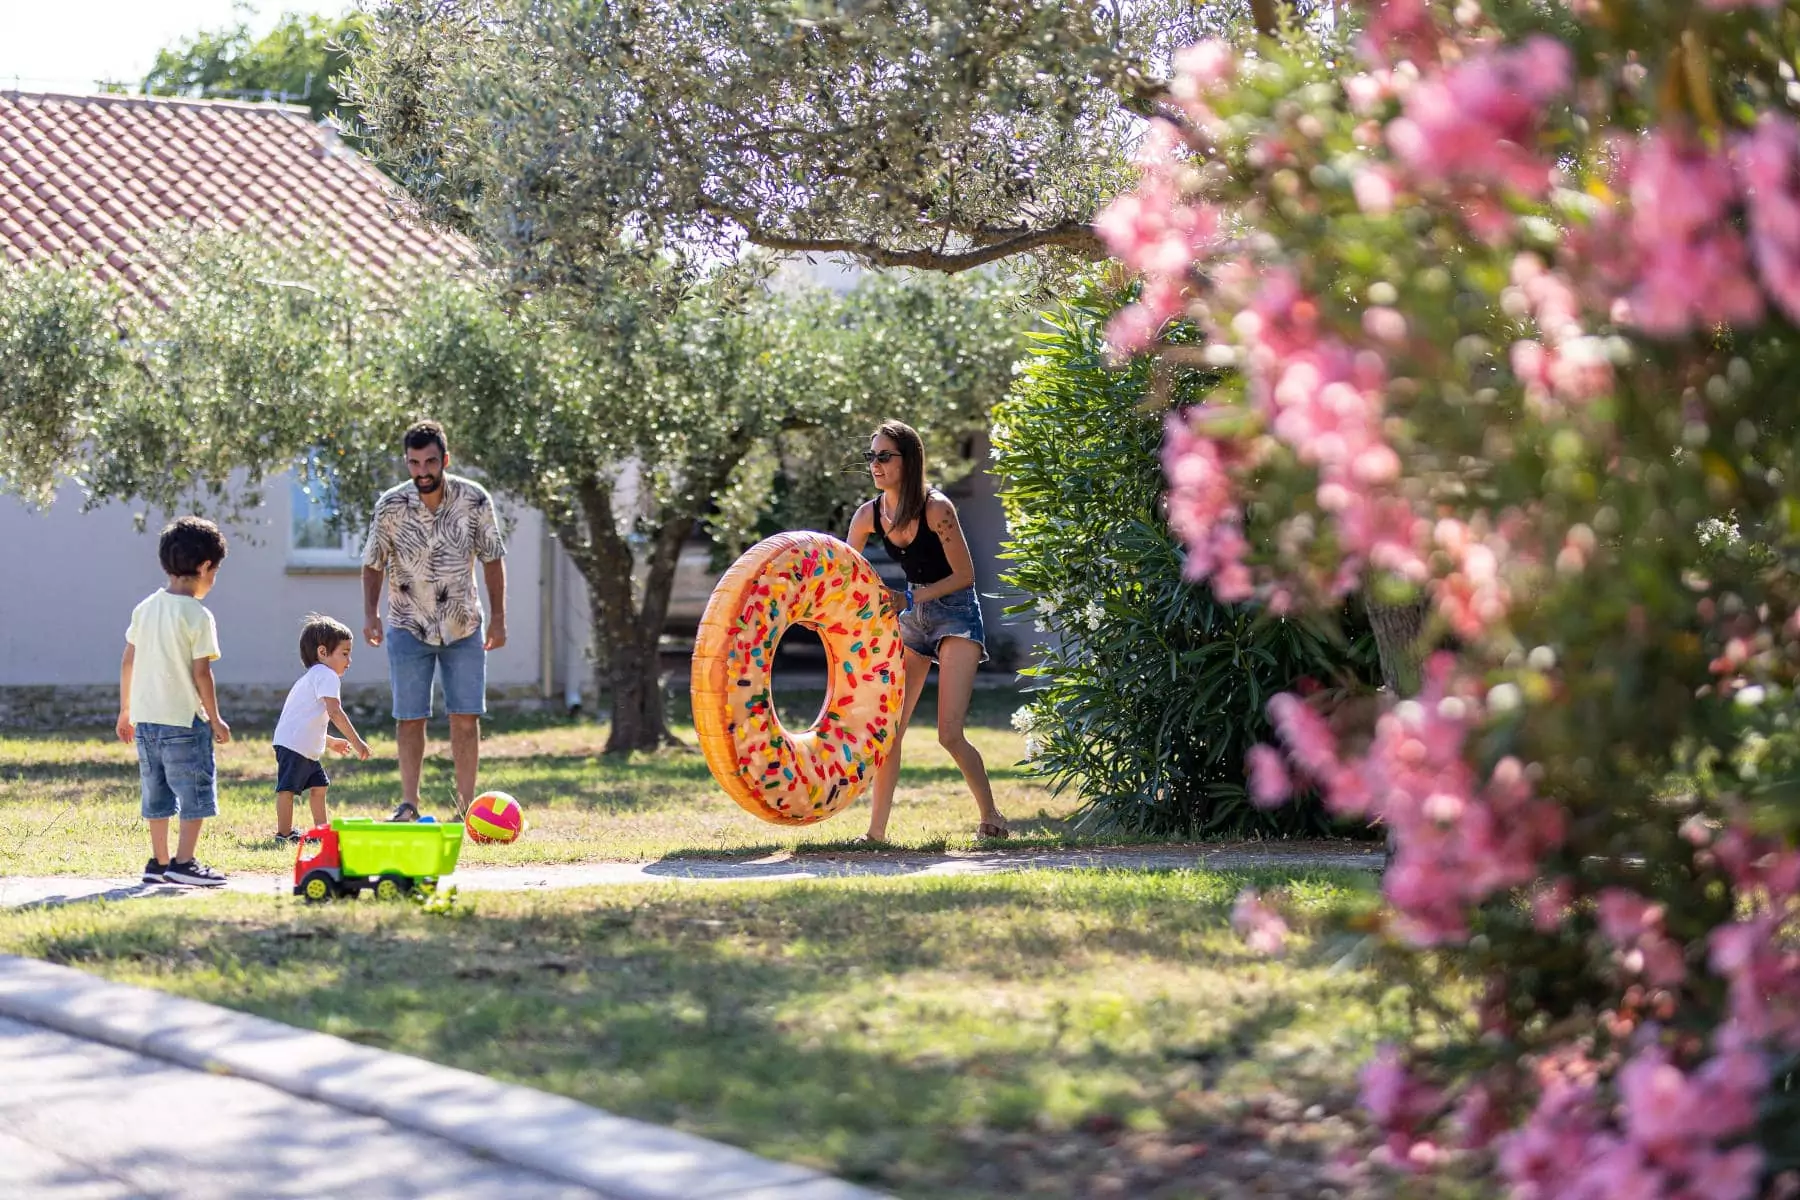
(291, 838)
(155, 872)
(193, 873)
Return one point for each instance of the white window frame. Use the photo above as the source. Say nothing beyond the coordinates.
(346, 554)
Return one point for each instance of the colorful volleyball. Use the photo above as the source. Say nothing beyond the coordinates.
(794, 777)
(494, 817)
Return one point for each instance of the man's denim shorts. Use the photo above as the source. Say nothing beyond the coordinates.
(462, 665)
(955, 615)
(175, 768)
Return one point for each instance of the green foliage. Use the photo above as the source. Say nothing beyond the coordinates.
(941, 134)
(935, 352)
(59, 355)
(621, 420)
(298, 61)
(1152, 691)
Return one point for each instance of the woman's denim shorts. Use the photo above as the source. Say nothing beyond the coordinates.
(955, 615)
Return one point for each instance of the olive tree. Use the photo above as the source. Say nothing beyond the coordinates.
(938, 134)
(623, 426)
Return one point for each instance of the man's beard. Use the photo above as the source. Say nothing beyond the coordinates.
(428, 484)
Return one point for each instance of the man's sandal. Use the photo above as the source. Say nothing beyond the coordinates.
(988, 831)
(406, 810)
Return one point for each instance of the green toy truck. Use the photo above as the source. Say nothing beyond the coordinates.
(357, 854)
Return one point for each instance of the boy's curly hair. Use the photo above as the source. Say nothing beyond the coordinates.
(319, 636)
(189, 543)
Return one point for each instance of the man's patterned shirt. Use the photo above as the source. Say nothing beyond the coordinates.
(429, 558)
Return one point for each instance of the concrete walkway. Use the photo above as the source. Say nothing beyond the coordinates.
(115, 1091)
(785, 867)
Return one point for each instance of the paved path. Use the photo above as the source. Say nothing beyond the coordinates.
(84, 1120)
(783, 867)
(114, 1091)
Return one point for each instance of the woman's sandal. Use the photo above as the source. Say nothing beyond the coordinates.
(987, 831)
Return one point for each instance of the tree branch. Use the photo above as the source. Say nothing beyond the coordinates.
(1075, 236)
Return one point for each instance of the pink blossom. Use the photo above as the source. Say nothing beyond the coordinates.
(1401, 1104)
(1368, 91)
(1681, 260)
(1270, 785)
(1305, 734)
(1384, 324)
(1764, 976)
(1399, 29)
(1478, 120)
(1154, 230)
(1636, 926)
(1261, 927)
(1548, 1151)
(1550, 905)
(1202, 506)
(1768, 164)
(1203, 67)
(1373, 188)
(1457, 840)
(1678, 1120)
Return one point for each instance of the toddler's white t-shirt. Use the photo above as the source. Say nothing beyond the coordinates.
(303, 717)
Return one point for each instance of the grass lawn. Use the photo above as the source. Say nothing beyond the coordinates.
(1073, 1034)
(69, 802)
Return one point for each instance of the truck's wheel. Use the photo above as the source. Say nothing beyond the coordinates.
(392, 887)
(318, 887)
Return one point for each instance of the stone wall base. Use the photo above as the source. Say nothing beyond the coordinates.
(53, 706)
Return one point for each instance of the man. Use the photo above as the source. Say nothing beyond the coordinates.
(425, 540)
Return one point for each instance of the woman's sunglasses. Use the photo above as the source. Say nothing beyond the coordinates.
(884, 457)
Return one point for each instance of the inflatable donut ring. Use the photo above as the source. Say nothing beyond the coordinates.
(814, 580)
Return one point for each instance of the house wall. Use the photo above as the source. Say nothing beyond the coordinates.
(77, 575)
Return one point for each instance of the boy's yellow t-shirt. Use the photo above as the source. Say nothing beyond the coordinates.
(170, 632)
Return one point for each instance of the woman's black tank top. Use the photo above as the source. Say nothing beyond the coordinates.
(923, 558)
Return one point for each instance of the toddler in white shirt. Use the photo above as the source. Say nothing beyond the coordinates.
(301, 736)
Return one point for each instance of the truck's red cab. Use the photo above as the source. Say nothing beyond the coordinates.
(318, 852)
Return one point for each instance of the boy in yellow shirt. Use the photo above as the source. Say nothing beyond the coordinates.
(168, 705)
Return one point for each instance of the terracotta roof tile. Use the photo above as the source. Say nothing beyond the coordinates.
(100, 174)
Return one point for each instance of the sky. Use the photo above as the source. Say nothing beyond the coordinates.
(66, 45)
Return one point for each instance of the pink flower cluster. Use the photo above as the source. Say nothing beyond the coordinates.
(1157, 232)
(1478, 120)
(1564, 365)
(1324, 400)
(1457, 840)
(1687, 265)
(1202, 505)
(1261, 927)
(1404, 1107)
(1473, 595)
(1635, 926)
(1768, 165)
(1400, 30)
(1667, 1146)
(1758, 954)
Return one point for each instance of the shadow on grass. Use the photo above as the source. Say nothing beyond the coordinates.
(881, 1034)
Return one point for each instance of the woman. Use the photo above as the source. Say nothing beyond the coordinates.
(941, 617)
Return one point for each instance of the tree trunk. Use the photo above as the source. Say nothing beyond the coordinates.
(634, 679)
(627, 627)
(1398, 629)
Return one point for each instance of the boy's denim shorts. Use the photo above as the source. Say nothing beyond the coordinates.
(955, 615)
(461, 664)
(175, 768)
